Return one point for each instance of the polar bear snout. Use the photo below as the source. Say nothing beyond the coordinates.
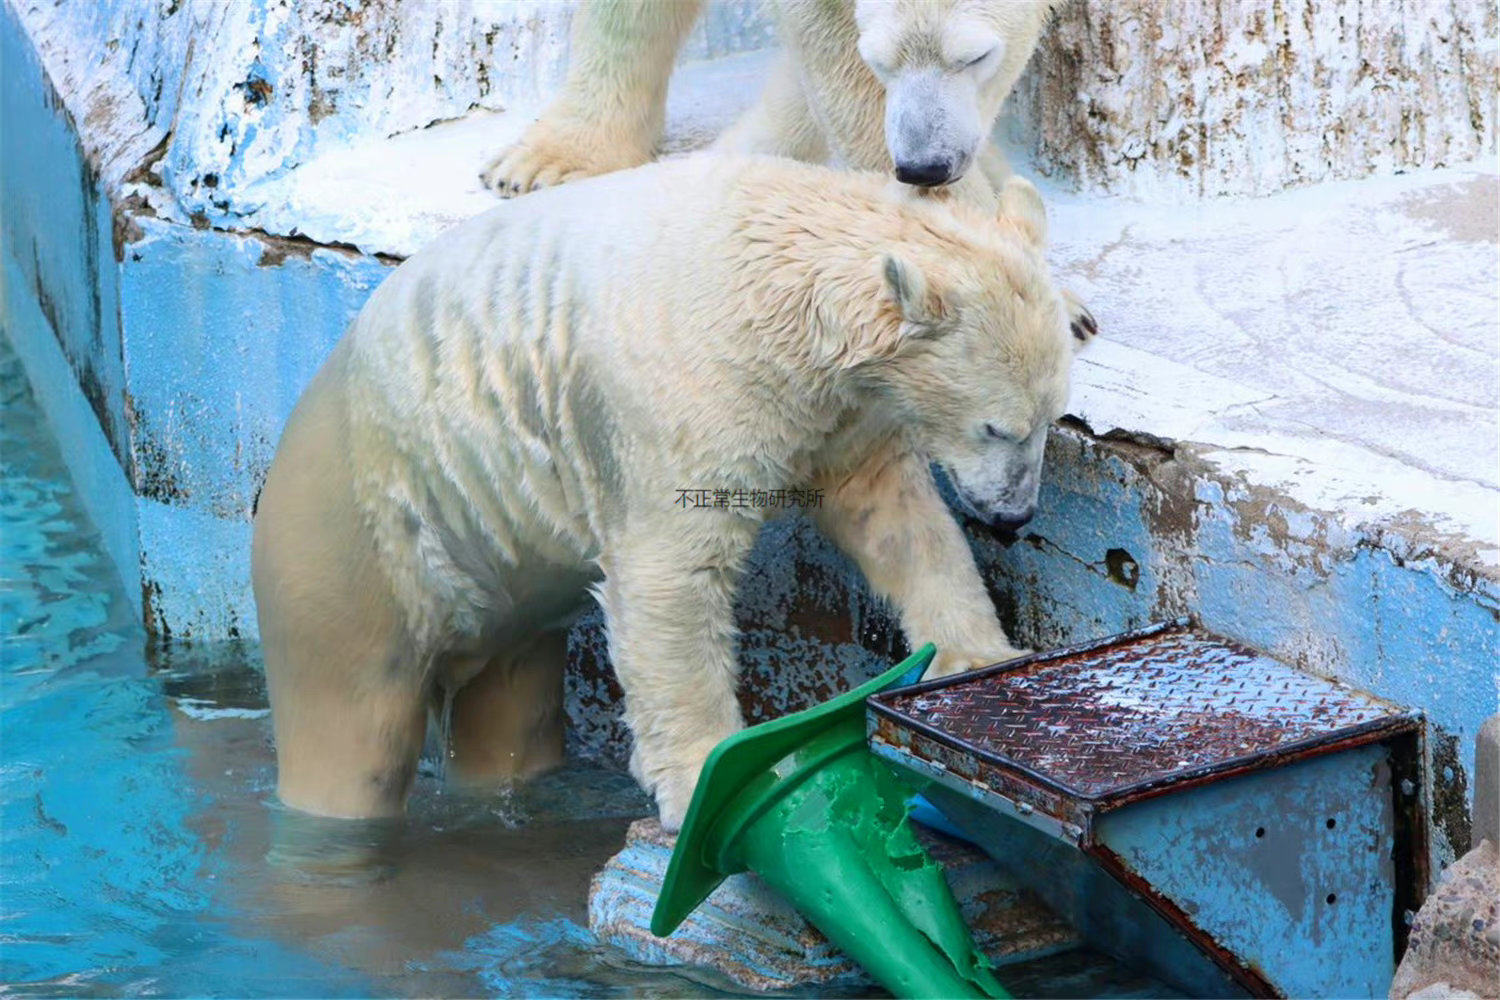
(932, 126)
(933, 173)
(1012, 520)
(1000, 483)
(1005, 515)
(1006, 502)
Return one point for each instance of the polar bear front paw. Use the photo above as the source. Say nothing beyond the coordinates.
(557, 149)
(673, 779)
(673, 796)
(952, 661)
(1080, 320)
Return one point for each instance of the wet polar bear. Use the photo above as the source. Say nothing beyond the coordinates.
(910, 86)
(505, 426)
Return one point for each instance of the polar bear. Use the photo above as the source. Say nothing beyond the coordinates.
(497, 436)
(912, 86)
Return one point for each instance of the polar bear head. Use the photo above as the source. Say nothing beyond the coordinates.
(946, 66)
(977, 357)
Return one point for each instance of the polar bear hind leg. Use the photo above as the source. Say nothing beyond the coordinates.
(507, 722)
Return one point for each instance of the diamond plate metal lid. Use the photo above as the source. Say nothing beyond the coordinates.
(1117, 718)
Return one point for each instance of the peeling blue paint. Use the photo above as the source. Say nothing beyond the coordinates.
(1307, 904)
(57, 296)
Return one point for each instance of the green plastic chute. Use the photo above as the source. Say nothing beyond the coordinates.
(803, 803)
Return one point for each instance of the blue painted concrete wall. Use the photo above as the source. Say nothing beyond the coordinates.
(59, 295)
(222, 331)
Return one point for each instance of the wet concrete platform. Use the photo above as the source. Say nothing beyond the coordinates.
(1337, 343)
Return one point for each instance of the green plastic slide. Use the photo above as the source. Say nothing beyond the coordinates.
(803, 803)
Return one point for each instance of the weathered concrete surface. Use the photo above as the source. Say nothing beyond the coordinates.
(1454, 948)
(230, 95)
(1223, 97)
(1487, 781)
(431, 175)
(755, 939)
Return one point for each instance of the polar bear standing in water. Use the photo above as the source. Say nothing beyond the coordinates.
(910, 86)
(500, 433)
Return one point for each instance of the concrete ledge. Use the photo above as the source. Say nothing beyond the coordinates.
(1335, 343)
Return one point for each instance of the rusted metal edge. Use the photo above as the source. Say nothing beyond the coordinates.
(1350, 736)
(1410, 848)
(998, 802)
(1247, 975)
(1062, 652)
(986, 777)
(876, 704)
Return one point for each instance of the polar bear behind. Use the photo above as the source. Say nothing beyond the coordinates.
(910, 86)
(505, 426)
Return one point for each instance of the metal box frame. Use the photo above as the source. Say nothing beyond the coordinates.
(1231, 823)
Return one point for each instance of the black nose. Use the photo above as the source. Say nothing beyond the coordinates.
(929, 174)
(1010, 522)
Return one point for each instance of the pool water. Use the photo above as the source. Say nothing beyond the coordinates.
(137, 811)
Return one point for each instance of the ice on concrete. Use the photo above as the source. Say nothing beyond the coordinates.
(1338, 343)
(394, 194)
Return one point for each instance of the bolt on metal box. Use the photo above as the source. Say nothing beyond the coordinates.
(1233, 825)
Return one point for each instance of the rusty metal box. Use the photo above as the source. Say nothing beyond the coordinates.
(1232, 824)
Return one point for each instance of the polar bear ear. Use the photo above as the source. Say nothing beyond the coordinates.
(908, 288)
(1021, 209)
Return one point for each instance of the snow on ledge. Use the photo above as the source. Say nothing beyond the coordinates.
(1337, 343)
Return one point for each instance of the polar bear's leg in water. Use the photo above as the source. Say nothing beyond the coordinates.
(507, 722)
(346, 684)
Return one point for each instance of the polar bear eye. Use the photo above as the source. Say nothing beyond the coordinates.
(995, 432)
(976, 60)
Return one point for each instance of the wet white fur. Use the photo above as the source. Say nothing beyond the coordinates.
(508, 421)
